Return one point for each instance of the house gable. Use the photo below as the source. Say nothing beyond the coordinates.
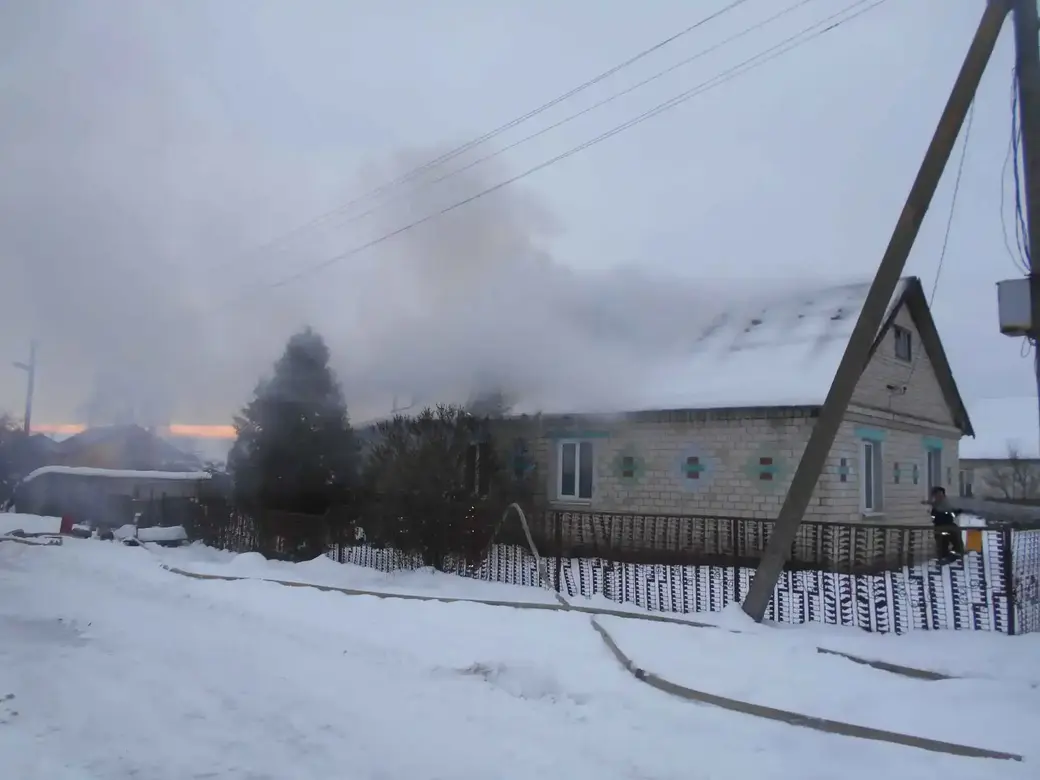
(931, 394)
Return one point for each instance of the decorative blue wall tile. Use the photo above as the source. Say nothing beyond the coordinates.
(696, 469)
(843, 470)
(766, 469)
(628, 466)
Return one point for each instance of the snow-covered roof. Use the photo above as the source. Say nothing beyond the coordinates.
(1002, 424)
(774, 352)
(117, 473)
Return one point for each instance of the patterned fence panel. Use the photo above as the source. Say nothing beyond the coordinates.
(968, 595)
(1025, 576)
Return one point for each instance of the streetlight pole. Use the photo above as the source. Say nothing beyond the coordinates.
(30, 384)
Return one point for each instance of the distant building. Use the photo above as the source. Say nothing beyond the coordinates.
(1003, 460)
(107, 497)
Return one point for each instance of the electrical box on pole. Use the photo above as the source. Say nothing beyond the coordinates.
(1015, 308)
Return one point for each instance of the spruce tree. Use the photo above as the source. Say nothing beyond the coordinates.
(295, 449)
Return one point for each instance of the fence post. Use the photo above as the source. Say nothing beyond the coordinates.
(1007, 566)
(558, 541)
(735, 559)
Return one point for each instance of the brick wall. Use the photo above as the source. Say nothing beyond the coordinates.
(729, 463)
(712, 464)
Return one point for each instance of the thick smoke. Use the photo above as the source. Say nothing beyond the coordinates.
(473, 301)
(134, 183)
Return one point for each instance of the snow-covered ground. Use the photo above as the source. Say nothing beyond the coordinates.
(111, 667)
(31, 524)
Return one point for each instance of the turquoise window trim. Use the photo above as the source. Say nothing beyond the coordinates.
(933, 443)
(870, 434)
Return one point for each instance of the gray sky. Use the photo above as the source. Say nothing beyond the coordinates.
(146, 147)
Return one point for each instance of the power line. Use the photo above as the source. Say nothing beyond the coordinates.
(1021, 233)
(949, 224)
(1016, 259)
(416, 172)
(746, 66)
(593, 107)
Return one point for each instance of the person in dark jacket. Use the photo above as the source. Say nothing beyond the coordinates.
(948, 541)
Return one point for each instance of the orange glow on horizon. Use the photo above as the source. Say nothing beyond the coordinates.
(203, 431)
(175, 429)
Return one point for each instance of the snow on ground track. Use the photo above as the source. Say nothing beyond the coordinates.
(976, 654)
(198, 559)
(781, 670)
(119, 669)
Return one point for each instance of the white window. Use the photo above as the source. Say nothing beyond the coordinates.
(904, 343)
(871, 478)
(934, 469)
(965, 489)
(574, 470)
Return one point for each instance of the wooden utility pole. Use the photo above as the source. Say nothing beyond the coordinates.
(1027, 72)
(30, 384)
(876, 304)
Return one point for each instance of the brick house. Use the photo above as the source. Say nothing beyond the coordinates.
(727, 436)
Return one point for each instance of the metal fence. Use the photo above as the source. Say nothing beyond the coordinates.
(698, 540)
(875, 577)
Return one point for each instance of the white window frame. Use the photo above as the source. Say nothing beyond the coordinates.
(929, 484)
(899, 334)
(575, 497)
(872, 497)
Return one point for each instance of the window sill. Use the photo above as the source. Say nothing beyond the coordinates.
(580, 502)
(872, 515)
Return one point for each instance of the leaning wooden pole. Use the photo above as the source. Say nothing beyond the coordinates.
(876, 304)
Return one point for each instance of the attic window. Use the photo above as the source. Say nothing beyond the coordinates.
(903, 343)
